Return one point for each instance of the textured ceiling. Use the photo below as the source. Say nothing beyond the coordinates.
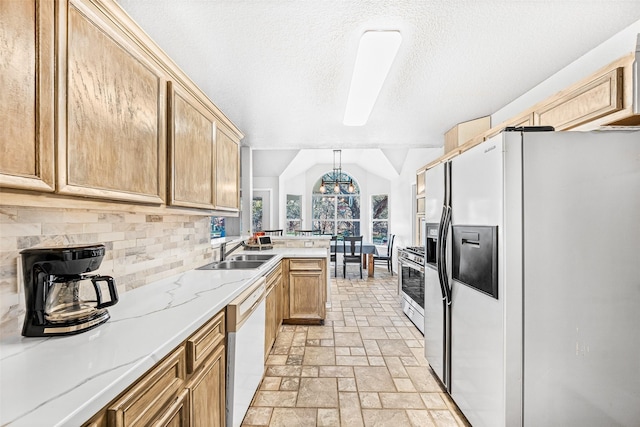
(280, 69)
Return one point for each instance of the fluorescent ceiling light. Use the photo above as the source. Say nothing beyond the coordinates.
(376, 53)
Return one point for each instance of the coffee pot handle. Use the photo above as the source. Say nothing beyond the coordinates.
(113, 291)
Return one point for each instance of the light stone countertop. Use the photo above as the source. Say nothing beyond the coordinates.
(64, 381)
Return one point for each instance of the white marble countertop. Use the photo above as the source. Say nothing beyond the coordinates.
(64, 381)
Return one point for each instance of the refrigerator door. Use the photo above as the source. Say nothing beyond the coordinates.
(582, 279)
(477, 326)
(433, 304)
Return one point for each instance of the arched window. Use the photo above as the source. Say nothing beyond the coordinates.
(336, 213)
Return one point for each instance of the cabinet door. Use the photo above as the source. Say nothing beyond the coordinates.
(111, 104)
(305, 295)
(207, 390)
(192, 149)
(227, 172)
(279, 302)
(306, 289)
(271, 321)
(600, 97)
(27, 95)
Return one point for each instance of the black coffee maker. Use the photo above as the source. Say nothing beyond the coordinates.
(61, 299)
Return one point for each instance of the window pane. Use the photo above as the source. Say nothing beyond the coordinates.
(294, 206)
(348, 228)
(380, 232)
(349, 207)
(379, 207)
(323, 207)
(293, 225)
(256, 213)
(325, 227)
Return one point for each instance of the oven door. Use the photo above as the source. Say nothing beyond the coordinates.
(411, 278)
(412, 281)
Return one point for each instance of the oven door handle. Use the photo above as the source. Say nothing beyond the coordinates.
(406, 263)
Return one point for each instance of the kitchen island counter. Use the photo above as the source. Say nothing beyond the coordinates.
(64, 381)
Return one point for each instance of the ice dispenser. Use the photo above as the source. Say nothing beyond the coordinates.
(475, 257)
(431, 243)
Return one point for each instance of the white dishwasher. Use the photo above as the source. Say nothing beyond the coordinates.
(245, 350)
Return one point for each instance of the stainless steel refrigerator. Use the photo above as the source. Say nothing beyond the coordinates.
(532, 312)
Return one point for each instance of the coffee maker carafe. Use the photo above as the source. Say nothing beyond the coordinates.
(61, 299)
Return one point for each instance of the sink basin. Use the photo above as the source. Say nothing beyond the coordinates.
(232, 265)
(251, 257)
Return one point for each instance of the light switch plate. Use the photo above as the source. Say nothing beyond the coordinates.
(308, 244)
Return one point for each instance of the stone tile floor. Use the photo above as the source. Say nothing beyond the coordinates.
(364, 367)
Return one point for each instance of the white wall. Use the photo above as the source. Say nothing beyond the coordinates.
(401, 204)
(616, 47)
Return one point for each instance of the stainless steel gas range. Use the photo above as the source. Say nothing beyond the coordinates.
(411, 283)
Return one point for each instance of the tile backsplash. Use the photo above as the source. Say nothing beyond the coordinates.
(140, 249)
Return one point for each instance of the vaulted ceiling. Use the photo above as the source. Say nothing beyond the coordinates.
(280, 69)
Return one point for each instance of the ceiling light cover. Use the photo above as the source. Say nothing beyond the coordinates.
(376, 52)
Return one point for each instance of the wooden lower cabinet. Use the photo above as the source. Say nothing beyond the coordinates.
(273, 303)
(305, 290)
(186, 388)
(207, 392)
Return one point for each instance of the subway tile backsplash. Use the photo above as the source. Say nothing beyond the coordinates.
(140, 249)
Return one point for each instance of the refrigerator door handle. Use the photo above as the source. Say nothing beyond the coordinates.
(443, 255)
(439, 253)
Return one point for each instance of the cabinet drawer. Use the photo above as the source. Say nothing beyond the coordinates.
(202, 343)
(305, 264)
(176, 415)
(143, 403)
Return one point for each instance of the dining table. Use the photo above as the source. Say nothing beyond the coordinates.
(368, 251)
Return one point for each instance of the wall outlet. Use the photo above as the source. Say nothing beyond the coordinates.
(308, 244)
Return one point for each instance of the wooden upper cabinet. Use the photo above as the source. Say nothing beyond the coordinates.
(27, 94)
(599, 97)
(420, 183)
(227, 172)
(111, 107)
(463, 132)
(192, 150)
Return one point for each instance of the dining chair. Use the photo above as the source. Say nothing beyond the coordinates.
(352, 253)
(334, 254)
(388, 258)
(305, 232)
(273, 232)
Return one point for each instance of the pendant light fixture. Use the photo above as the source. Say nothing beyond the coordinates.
(336, 180)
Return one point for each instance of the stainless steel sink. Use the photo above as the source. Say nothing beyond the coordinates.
(232, 265)
(250, 257)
